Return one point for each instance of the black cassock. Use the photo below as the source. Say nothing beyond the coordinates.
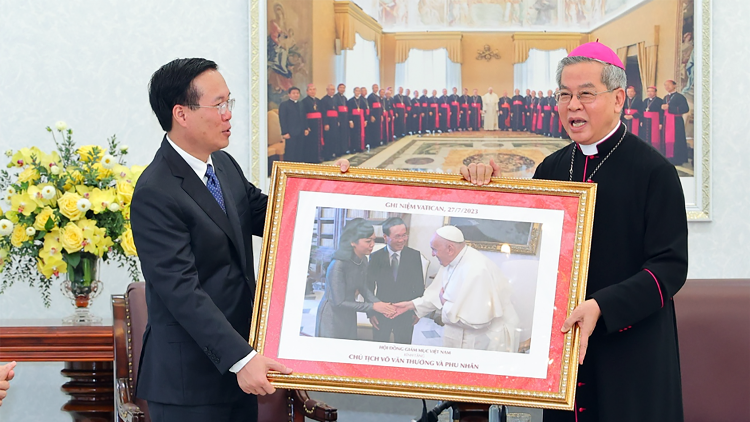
(387, 119)
(292, 123)
(547, 107)
(376, 121)
(330, 120)
(464, 122)
(455, 111)
(445, 112)
(673, 132)
(434, 118)
(504, 110)
(415, 116)
(399, 115)
(555, 125)
(529, 112)
(312, 149)
(633, 107)
(358, 118)
(476, 112)
(518, 110)
(652, 118)
(638, 262)
(344, 127)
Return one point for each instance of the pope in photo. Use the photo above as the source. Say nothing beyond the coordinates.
(471, 294)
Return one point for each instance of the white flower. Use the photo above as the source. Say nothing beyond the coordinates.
(10, 190)
(83, 205)
(9, 153)
(48, 192)
(6, 227)
(54, 169)
(30, 231)
(108, 162)
(114, 207)
(124, 148)
(61, 126)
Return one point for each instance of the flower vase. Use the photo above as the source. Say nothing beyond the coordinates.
(81, 286)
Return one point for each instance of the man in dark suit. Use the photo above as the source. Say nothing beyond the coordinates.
(395, 274)
(193, 216)
(293, 126)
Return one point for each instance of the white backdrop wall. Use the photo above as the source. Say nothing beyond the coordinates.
(88, 62)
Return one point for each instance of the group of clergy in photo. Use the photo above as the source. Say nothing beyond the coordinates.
(391, 282)
(321, 129)
(659, 121)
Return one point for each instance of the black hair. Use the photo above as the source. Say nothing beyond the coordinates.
(294, 88)
(172, 84)
(356, 229)
(392, 222)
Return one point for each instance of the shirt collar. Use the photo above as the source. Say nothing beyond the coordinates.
(198, 166)
(593, 149)
(391, 252)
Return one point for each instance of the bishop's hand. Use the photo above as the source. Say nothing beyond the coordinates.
(480, 173)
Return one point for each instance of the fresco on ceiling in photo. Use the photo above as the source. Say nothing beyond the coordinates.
(494, 15)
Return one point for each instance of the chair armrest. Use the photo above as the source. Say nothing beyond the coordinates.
(314, 409)
(126, 409)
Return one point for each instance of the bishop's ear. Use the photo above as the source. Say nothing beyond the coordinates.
(619, 100)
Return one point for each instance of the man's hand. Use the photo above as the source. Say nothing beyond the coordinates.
(351, 125)
(6, 374)
(286, 136)
(343, 164)
(628, 117)
(307, 132)
(374, 322)
(585, 315)
(660, 127)
(326, 128)
(480, 173)
(372, 118)
(253, 378)
(665, 106)
(402, 307)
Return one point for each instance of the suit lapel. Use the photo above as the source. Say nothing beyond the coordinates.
(195, 188)
(232, 215)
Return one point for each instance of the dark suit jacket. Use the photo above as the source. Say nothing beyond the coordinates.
(198, 265)
(410, 282)
(291, 119)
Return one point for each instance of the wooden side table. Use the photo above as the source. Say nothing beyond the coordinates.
(87, 352)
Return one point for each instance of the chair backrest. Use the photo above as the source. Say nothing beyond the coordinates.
(713, 327)
(274, 127)
(129, 325)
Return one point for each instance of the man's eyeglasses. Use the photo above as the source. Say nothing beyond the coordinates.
(584, 97)
(222, 108)
(399, 237)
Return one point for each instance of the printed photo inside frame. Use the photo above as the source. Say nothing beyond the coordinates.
(444, 319)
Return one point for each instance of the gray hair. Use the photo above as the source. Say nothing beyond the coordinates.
(613, 77)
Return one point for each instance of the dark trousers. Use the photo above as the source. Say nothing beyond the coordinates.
(402, 327)
(245, 410)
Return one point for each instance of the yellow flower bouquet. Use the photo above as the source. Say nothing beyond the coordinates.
(67, 210)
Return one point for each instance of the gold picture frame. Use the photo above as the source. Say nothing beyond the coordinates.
(542, 373)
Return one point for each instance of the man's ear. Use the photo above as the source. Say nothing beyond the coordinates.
(179, 114)
(619, 100)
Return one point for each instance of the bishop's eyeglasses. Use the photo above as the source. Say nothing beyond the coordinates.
(584, 97)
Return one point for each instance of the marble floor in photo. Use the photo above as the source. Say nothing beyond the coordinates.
(517, 153)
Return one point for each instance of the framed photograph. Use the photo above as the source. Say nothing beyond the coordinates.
(474, 325)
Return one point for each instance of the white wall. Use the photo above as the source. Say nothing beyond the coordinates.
(88, 62)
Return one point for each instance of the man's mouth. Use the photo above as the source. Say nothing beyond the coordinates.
(576, 123)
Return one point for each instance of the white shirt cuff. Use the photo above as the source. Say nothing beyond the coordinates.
(241, 364)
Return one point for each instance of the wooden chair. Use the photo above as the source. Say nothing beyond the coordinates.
(130, 316)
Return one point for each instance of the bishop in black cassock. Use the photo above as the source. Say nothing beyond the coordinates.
(673, 133)
(631, 112)
(652, 118)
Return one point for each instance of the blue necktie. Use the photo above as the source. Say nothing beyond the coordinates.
(212, 183)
